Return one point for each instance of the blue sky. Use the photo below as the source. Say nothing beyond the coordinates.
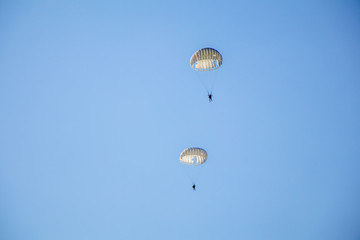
(98, 99)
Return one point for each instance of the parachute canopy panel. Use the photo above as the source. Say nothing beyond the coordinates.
(193, 156)
(206, 59)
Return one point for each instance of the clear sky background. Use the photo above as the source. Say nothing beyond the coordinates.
(98, 99)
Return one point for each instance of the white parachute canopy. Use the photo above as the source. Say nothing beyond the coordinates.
(193, 156)
(206, 59)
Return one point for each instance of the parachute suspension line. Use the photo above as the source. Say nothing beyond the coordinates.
(193, 173)
(202, 81)
(187, 175)
(212, 83)
(213, 80)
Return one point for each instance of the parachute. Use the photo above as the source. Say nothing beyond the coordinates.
(193, 156)
(206, 59)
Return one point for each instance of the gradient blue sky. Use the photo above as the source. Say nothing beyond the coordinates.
(97, 101)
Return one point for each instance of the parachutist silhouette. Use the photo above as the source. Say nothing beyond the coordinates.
(194, 187)
(210, 97)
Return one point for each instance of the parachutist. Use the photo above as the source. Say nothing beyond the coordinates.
(210, 97)
(194, 187)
